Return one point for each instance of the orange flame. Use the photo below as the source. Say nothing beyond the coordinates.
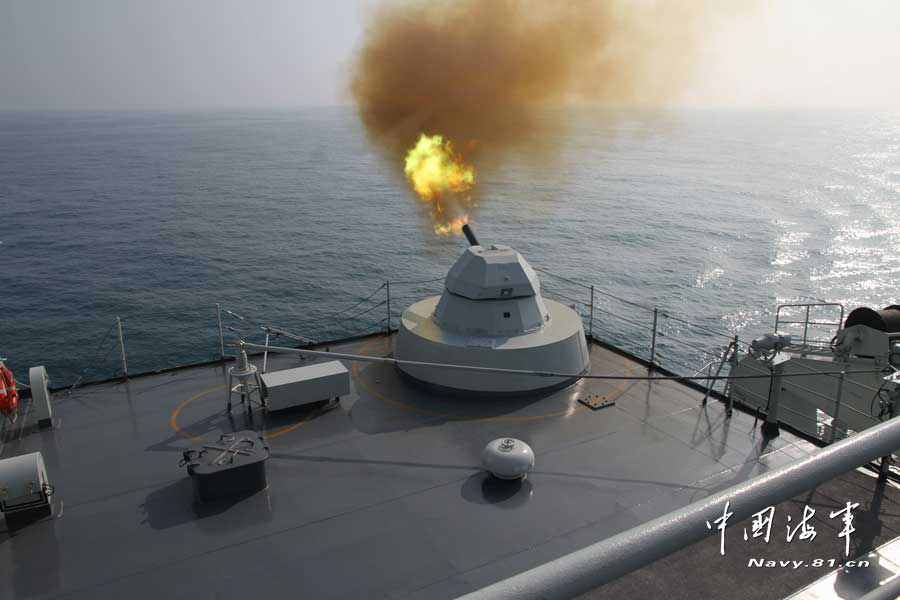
(441, 177)
(454, 226)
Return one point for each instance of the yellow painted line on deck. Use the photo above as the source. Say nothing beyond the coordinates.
(173, 418)
(354, 369)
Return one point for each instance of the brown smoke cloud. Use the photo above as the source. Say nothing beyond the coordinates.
(482, 72)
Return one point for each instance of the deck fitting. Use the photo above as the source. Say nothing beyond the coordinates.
(597, 402)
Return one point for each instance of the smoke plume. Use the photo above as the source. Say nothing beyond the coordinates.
(481, 73)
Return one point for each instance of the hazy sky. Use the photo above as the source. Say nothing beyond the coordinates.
(165, 54)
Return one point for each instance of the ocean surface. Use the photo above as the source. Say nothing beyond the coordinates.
(290, 218)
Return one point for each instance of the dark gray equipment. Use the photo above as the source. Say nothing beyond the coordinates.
(228, 465)
(886, 319)
(24, 490)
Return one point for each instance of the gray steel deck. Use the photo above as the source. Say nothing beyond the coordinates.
(380, 497)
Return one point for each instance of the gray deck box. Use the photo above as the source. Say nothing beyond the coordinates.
(305, 385)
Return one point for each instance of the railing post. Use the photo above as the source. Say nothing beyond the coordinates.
(387, 285)
(887, 459)
(711, 382)
(805, 325)
(266, 353)
(885, 468)
(733, 362)
(122, 348)
(653, 339)
(591, 322)
(770, 426)
(221, 334)
(837, 405)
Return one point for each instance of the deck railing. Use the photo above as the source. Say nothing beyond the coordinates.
(807, 321)
(140, 343)
(652, 334)
(648, 332)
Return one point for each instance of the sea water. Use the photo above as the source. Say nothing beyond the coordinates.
(289, 218)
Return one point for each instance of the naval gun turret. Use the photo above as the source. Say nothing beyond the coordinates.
(491, 314)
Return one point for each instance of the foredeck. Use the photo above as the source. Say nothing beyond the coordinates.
(382, 496)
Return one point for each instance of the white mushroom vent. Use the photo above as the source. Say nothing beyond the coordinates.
(508, 458)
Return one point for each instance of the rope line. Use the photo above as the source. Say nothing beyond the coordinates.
(497, 370)
(417, 282)
(93, 358)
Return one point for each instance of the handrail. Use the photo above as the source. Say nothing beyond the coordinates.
(591, 567)
(815, 372)
(789, 409)
(694, 325)
(824, 397)
(626, 319)
(703, 368)
(561, 295)
(806, 322)
(601, 292)
(669, 359)
(418, 282)
(358, 317)
(829, 398)
(572, 281)
(638, 305)
(94, 357)
(287, 334)
(498, 370)
(686, 344)
(555, 292)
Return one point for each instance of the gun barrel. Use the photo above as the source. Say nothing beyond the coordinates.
(470, 235)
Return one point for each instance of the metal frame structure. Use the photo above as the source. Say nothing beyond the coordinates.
(806, 322)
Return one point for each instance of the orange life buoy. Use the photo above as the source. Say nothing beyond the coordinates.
(9, 397)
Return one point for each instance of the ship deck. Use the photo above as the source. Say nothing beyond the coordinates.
(380, 496)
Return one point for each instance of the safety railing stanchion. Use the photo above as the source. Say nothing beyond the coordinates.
(711, 382)
(221, 334)
(653, 340)
(837, 405)
(770, 426)
(122, 348)
(806, 325)
(885, 468)
(733, 362)
(591, 322)
(387, 286)
(886, 460)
